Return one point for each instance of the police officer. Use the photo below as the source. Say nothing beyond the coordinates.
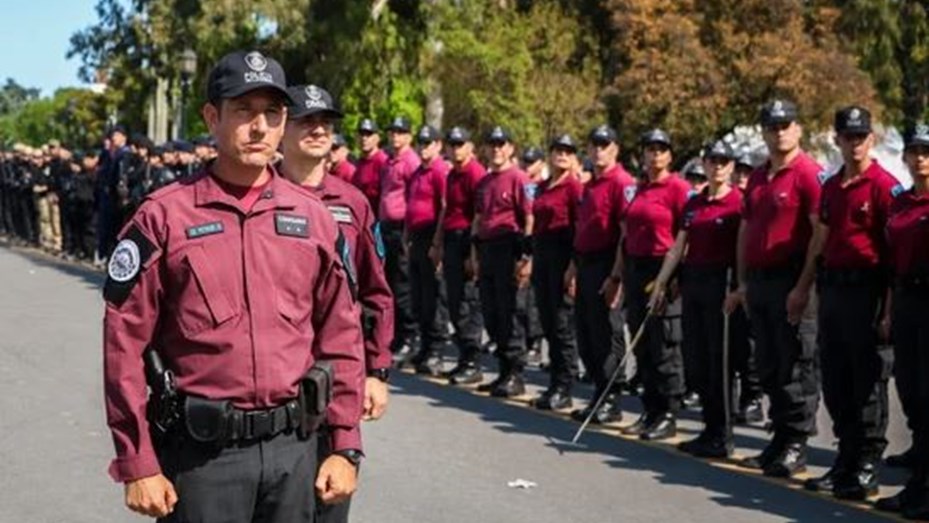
(395, 182)
(555, 211)
(452, 251)
(81, 206)
(597, 234)
(652, 219)
(503, 254)
(705, 248)
(307, 138)
(527, 309)
(371, 164)
(853, 211)
(907, 235)
(781, 209)
(339, 162)
(233, 329)
(425, 201)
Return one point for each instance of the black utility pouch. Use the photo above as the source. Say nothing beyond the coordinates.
(208, 421)
(315, 395)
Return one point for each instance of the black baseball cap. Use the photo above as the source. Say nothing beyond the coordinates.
(183, 146)
(308, 100)
(695, 170)
(778, 112)
(118, 128)
(563, 141)
(852, 120)
(400, 124)
(367, 126)
(916, 135)
(498, 135)
(719, 149)
(655, 136)
(602, 135)
(532, 155)
(427, 134)
(338, 141)
(457, 135)
(241, 72)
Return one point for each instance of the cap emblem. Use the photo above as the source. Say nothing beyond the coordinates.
(314, 98)
(256, 61)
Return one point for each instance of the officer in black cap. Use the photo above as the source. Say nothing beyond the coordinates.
(533, 159)
(527, 310)
(743, 169)
(695, 174)
(371, 162)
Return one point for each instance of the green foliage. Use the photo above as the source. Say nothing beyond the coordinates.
(76, 117)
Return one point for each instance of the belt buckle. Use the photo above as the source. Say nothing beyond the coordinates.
(260, 423)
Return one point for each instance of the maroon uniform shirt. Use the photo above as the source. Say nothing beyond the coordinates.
(504, 200)
(856, 215)
(427, 189)
(344, 170)
(777, 212)
(654, 217)
(908, 234)
(601, 209)
(395, 183)
(555, 207)
(461, 194)
(355, 218)
(712, 228)
(239, 303)
(368, 174)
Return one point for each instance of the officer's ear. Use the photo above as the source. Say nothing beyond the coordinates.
(211, 115)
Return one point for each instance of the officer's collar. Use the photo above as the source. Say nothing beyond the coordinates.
(276, 193)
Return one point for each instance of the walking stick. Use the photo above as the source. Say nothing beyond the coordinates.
(727, 391)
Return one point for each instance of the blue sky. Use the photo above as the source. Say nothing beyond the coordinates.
(34, 37)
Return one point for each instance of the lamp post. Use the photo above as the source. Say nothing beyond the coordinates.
(188, 70)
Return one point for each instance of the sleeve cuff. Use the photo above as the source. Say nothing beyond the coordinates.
(135, 467)
(346, 439)
(376, 358)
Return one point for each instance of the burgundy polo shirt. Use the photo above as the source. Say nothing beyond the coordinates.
(712, 227)
(600, 211)
(504, 200)
(655, 215)
(461, 195)
(908, 234)
(555, 207)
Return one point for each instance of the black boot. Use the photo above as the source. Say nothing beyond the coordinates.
(555, 398)
(790, 461)
(904, 460)
(639, 427)
(760, 461)
(708, 446)
(429, 365)
(826, 482)
(689, 445)
(609, 411)
(512, 385)
(750, 412)
(859, 484)
(465, 373)
(663, 426)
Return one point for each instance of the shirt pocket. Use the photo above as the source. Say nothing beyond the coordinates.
(294, 292)
(204, 303)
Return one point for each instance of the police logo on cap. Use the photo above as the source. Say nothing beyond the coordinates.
(777, 109)
(125, 261)
(314, 98)
(256, 61)
(313, 93)
(854, 115)
(922, 130)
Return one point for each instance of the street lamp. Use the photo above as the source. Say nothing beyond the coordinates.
(188, 70)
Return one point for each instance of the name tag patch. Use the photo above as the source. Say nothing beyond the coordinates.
(206, 229)
(291, 225)
(341, 213)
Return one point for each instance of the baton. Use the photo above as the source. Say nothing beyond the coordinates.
(619, 367)
(727, 391)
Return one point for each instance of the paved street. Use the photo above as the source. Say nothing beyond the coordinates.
(440, 455)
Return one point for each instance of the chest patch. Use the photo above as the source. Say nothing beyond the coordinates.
(205, 229)
(291, 225)
(341, 213)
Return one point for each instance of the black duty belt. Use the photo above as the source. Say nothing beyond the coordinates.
(260, 424)
(218, 422)
(850, 277)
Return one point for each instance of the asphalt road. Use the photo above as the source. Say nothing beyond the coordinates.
(440, 455)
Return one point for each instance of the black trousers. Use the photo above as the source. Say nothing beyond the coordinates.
(600, 351)
(397, 269)
(786, 354)
(552, 256)
(79, 226)
(911, 368)
(660, 363)
(267, 481)
(854, 369)
(742, 357)
(528, 314)
(703, 290)
(498, 287)
(424, 292)
(464, 305)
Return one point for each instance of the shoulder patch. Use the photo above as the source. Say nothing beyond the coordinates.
(378, 241)
(341, 213)
(291, 225)
(345, 254)
(824, 176)
(691, 193)
(629, 192)
(531, 190)
(206, 229)
(126, 263)
(897, 190)
(689, 218)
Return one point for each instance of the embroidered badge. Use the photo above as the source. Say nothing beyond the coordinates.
(125, 261)
(205, 229)
(291, 225)
(341, 213)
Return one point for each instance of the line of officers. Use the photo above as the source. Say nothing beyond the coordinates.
(818, 270)
(73, 203)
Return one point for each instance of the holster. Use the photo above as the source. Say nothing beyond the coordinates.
(208, 421)
(314, 398)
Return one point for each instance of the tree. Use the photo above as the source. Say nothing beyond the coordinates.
(13, 96)
(76, 117)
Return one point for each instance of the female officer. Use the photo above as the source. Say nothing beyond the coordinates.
(908, 239)
(652, 221)
(706, 244)
(555, 211)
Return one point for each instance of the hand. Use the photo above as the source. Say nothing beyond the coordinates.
(612, 291)
(375, 399)
(797, 301)
(336, 480)
(570, 282)
(658, 299)
(435, 254)
(523, 272)
(734, 300)
(470, 268)
(153, 496)
(884, 327)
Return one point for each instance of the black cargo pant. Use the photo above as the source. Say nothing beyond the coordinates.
(498, 287)
(854, 368)
(742, 356)
(600, 351)
(267, 481)
(785, 353)
(464, 306)
(424, 290)
(397, 270)
(552, 256)
(528, 314)
(911, 368)
(660, 364)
